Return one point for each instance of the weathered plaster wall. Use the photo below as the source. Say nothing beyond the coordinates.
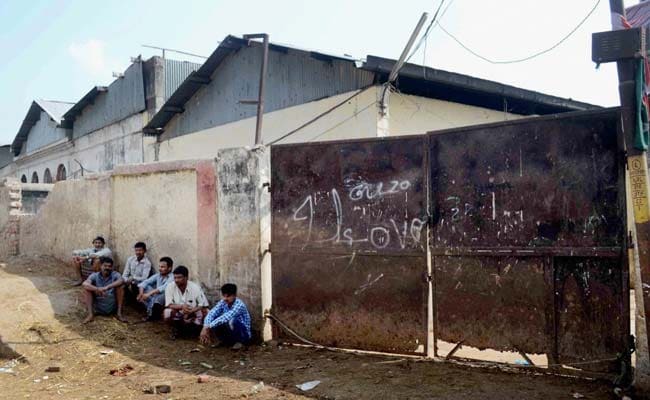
(415, 115)
(160, 209)
(239, 253)
(10, 204)
(74, 213)
(205, 214)
(102, 150)
(358, 118)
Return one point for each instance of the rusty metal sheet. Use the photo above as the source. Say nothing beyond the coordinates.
(364, 196)
(592, 311)
(547, 182)
(349, 242)
(352, 301)
(502, 303)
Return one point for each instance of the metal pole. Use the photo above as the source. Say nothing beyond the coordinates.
(400, 62)
(260, 97)
(637, 165)
(402, 57)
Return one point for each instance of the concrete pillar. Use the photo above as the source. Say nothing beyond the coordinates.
(264, 207)
(12, 204)
(383, 114)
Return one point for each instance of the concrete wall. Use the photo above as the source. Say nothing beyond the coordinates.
(10, 204)
(34, 195)
(159, 207)
(204, 214)
(117, 144)
(238, 214)
(74, 213)
(414, 115)
(358, 118)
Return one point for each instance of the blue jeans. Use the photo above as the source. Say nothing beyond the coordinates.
(231, 333)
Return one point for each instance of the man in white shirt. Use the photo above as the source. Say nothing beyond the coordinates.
(137, 269)
(185, 305)
(86, 261)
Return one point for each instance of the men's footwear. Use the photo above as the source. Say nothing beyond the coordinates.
(237, 346)
(173, 335)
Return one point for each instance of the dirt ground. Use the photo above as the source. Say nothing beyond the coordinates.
(40, 327)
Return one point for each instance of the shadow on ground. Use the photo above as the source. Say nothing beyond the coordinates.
(46, 330)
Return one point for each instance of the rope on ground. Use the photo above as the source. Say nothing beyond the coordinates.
(296, 335)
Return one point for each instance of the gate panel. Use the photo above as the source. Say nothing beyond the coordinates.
(349, 242)
(495, 302)
(546, 197)
(592, 310)
(365, 302)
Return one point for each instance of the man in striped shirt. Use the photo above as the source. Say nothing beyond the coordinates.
(229, 320)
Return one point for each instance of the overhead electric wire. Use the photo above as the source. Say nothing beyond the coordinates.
(518, 60)
(319, 116)
(426, 32)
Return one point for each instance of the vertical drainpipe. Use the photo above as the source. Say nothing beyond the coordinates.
(260, 96)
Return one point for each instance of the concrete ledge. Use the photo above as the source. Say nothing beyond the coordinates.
(167, 166)
(37, 187)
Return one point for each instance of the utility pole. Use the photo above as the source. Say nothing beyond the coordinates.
(383, 128)
(637, 165)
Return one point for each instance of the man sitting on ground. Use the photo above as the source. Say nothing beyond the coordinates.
(229, 321)
(86, 261)
(152, 290)
(185, 303)
(104, 292)
(136, 270)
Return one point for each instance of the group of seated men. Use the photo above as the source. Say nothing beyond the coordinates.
(180, 302)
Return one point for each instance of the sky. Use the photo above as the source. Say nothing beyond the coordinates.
(59, 50)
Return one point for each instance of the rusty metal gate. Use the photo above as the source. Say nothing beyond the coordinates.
(523, 222)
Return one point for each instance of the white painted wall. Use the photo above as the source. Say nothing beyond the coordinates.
(358, 118)
(117, 144)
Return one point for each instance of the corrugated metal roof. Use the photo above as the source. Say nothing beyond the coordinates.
(638, 15)
(55, 109)
(203, 75)
(88, 99)
(5, 155)
(451, 86)
(175, 74)
(463, 85)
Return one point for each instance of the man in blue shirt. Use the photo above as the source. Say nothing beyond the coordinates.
(229, 320)
(104, 292)
(152, 290)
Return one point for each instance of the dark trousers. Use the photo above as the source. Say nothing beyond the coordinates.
(231, 333)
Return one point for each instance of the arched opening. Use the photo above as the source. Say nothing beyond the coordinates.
(60, 173)
(34, 177)
(47, 176)
(23, 179)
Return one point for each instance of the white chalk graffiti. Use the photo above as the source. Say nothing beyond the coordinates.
(372, 191)
(369, 282)
(379, 235)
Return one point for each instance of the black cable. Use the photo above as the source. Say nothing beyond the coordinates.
(539, 53)
(426, 33)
